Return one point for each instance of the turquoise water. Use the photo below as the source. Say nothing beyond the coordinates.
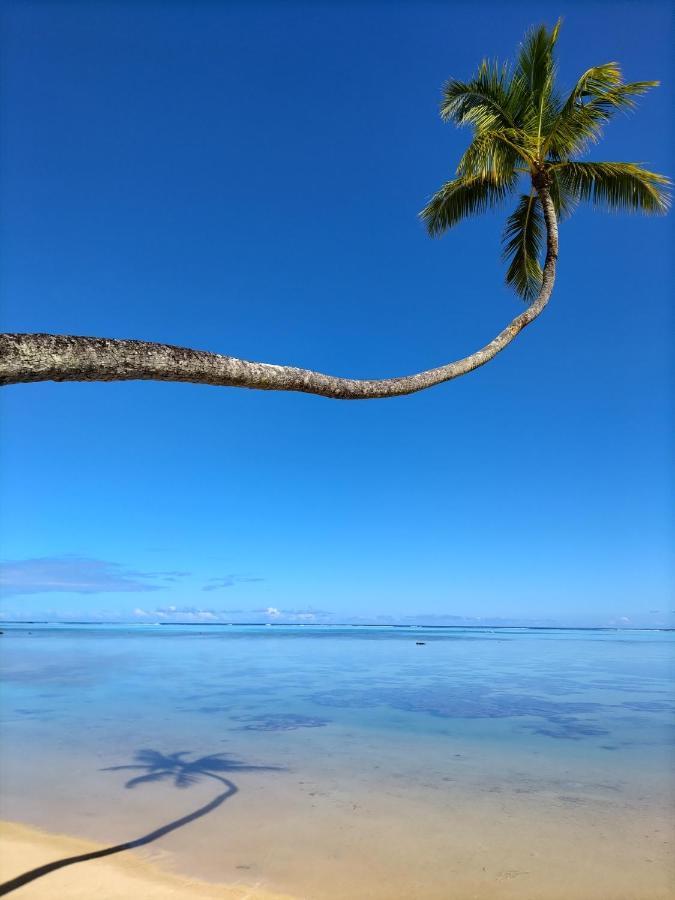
(569, 728)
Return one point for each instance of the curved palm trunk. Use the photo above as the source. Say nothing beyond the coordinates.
(52, 357)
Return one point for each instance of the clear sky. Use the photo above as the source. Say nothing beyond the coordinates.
(246, 178)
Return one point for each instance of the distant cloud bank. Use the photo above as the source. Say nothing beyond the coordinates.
(84, 575)
(77, 575)
(189, 614)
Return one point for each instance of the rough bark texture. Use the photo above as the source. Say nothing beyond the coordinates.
(52, 357)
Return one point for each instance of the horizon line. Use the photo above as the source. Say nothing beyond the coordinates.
(339, 625)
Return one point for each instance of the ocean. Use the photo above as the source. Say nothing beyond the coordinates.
(352, 762)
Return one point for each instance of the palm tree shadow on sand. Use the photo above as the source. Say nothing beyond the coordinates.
(157, 766)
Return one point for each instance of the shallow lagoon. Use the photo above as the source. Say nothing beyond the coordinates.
(505, 762)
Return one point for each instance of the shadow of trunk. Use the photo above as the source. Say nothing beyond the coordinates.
(40, 871)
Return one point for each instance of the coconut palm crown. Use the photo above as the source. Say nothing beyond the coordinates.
(523, 126)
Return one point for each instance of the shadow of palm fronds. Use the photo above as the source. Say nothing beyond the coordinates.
(184, 773)
(157, 766)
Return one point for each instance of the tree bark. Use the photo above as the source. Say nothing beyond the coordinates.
(52, 357)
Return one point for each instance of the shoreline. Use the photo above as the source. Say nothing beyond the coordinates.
(115, 877)
(127, 875)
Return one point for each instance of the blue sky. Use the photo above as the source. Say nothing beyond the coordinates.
(246, 178)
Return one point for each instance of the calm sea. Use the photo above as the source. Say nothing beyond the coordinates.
(350, 762)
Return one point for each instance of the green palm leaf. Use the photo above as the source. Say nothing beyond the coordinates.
(483, 101)
(490, 153)
(463, 197)
(535, 70)
(597, 95)
(616, 186)
(523, 242)
(564, 201)
(535, 60)
(604, 89)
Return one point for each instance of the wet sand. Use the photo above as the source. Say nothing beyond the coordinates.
(472, 828)
(475, 855)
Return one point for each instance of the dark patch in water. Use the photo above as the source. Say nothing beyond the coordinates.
(39, 714)
(553, 685)
(569, 729)
(60, 674)
(628, 686)
(648, 705)
(229, 694)
(280, 722)
(462, 701)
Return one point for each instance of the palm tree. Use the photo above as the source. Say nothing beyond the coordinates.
(524, 127)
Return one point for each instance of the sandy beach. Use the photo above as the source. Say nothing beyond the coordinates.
(129, 875)
(115, 878)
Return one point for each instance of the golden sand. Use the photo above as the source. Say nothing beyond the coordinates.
(120, 877)
(498, 866)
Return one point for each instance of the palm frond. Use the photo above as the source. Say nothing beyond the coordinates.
(595, 81)
(489, 153)
(535, 69)
(523, 241)
(604, 86)
(564, 201)
(574, 131)
(535, 60)
(483, 101)
(615, 185)
(598, 94)
(463, 197)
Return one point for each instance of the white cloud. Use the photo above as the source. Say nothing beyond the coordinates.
(179, 614)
